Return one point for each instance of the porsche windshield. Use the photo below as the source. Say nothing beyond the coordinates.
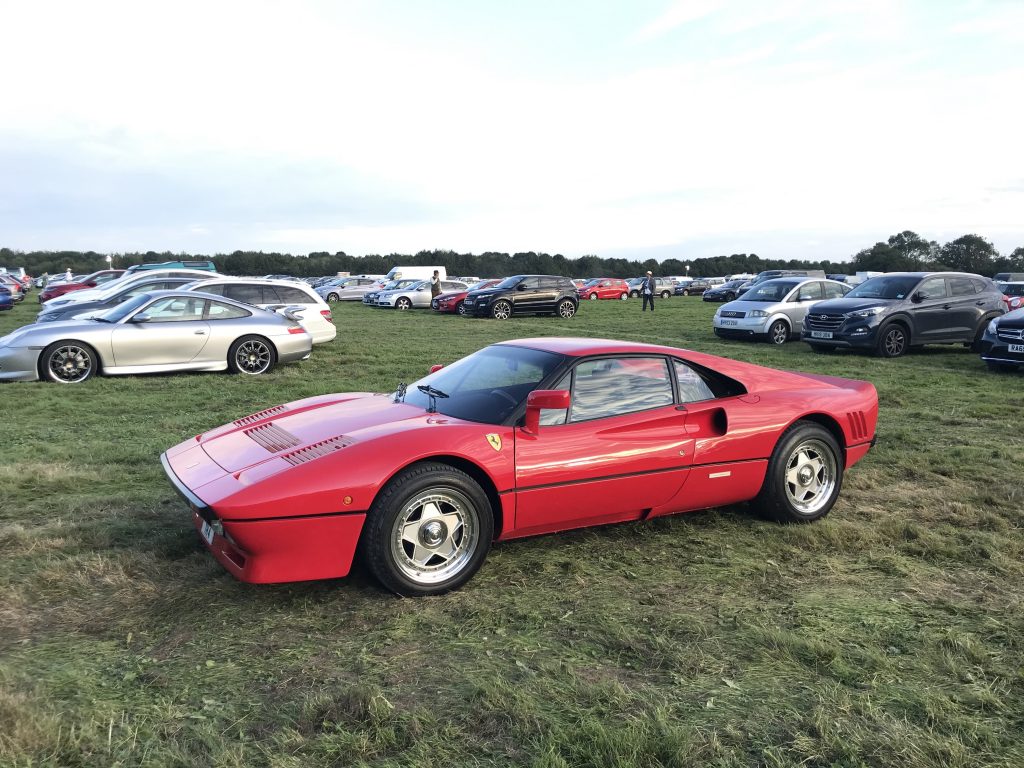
(486, 386)
(885, 287)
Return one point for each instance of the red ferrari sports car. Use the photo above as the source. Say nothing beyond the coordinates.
(520, 438)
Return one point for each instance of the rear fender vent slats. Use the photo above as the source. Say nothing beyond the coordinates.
(273, 438)
(316, 450)
(858, 425)
(247, 420)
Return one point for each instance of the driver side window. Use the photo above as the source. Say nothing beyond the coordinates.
(175, 309)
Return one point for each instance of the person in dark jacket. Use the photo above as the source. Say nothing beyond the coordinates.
(647, 290)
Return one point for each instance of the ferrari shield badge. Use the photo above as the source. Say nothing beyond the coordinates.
(495, 441)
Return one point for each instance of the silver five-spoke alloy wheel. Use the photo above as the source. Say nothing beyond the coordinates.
(810, 476)
(435, 535)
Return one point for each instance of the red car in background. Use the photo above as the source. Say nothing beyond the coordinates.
(1013, 295)
(14, 285)
(605, 288)
(452, 300)
(524, 437)
(89, 281)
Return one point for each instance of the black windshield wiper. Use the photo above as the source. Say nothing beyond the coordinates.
(400, 392)
(433, 394)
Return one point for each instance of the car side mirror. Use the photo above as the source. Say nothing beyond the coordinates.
(436, 368)
(918, 297)
(142, 317)
(541, 399)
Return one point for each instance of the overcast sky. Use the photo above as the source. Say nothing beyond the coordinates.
(791, 128)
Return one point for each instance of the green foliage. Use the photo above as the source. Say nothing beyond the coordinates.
(969, 253)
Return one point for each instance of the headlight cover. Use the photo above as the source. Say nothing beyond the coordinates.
(757, 313)
(864, 314)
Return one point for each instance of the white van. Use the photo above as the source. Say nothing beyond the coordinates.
(415, 273)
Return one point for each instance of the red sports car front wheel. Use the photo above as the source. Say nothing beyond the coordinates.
(804, 475)
(428, 531)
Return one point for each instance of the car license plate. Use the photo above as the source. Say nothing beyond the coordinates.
(1017, 348)
(207, 533)
(821, 334)
(468, 302)
(730, 322)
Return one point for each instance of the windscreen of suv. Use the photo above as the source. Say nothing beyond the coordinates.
(508, 282)
(772, 292)
(885, 287)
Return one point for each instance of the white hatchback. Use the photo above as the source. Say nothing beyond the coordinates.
(315, 316)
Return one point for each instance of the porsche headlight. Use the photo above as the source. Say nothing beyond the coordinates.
(993, 324)
(864, 314)
(757, 313)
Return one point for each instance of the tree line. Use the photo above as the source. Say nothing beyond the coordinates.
(901, 252)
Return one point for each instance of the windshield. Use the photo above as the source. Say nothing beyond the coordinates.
(508, 282)
(486, 386)
(1011, 289)
(885, 287)
(479, 286)
(594, 281)
(770, 291)
(121, 311)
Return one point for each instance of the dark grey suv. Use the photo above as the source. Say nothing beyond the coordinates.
(898, 311)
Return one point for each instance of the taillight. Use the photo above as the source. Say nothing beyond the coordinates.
(1015, 302)
(327, 315)
(297, 329)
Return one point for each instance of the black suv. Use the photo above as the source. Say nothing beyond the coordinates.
(899, 310)
(524, 295)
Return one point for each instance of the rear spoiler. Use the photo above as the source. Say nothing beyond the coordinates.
(292, 311)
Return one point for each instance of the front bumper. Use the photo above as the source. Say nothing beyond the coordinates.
(745, 328)
(860, 336)
(478, 309)
(19, 364)
(270, 551)
(996, 350)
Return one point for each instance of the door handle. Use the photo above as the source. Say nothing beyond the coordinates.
(200, 333)
(980, 303)
(946, 306)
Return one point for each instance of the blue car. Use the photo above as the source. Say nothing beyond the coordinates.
(6, 300)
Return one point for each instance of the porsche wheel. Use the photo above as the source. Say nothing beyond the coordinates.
(68, 362)
(252, 355)
(778, 333)
(566, 309)
(804, 475)
(428, 531)
(593, 297)
(403, 303)
(892, 340)
(501, 310)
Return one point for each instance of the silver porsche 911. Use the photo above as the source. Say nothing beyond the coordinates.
(155, 332)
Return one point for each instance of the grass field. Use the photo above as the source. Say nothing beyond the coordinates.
(889, 634)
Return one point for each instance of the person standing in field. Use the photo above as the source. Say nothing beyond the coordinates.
(435, 285)
(647, 291)
(67, 274)
(46, 279)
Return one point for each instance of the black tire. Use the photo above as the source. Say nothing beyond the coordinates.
(892, 341)
(332, 297)
(975, 346)
(778, 333)
(686, 292)
(501, 310)
(592, 297)
(624, 296)
(730, 297)
(403, 303)
(805, 475)
(665, 294)
(634, 294)
(566, 308)
(395, 535)
(252, 355)
(460, 308)
(68, 362)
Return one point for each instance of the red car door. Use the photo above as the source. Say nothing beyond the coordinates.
(620, 450)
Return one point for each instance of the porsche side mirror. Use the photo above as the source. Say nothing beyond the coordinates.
(541, 399)
(142, 317)
(436, 368)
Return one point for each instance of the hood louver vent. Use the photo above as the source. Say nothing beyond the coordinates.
(247, 420)
(273, 438)
(316, 450)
